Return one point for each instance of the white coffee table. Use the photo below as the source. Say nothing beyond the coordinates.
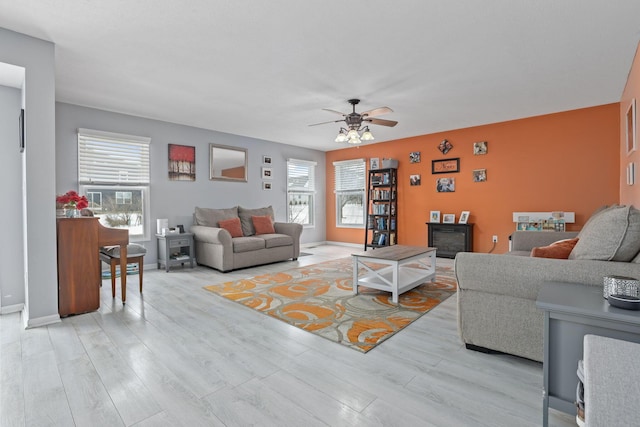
(398, 277)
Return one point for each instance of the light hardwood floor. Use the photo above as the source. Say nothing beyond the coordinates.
(182, 356)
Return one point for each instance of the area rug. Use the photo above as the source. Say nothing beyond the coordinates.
(319, 299)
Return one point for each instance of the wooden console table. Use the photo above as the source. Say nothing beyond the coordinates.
(79, 278)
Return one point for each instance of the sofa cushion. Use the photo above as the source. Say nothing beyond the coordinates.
(232, 225)
(611, 235)
(247, 244)
(263, 224)
(559, 250)
(275, 240)
(245, 218)
(210, 217)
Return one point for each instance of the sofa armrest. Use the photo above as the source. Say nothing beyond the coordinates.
(527, 240)
(293, 230)
(213, 235)
(611, 381)
(522, 277)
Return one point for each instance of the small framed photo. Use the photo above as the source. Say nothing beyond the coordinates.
(374, 163)
(445, 146)
(480, 148)
(631, 126)
(445, 166)
(446, 185)
(266, 160)
(414, 157)
(266, 185)
(414, 180)
(266, 173)
(479, 175)
(631, 173)
(434, 216)
(464, 217)
(449, 219)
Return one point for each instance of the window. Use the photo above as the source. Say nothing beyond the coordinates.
(113, 171)
(349, 189)
(301, 191)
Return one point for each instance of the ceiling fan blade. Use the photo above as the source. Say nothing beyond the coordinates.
(377, 112)
(334, 111)
(382, 122)
(324, 123)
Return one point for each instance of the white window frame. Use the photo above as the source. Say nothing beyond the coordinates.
(342, 188)
(298, 166)
(116, 162)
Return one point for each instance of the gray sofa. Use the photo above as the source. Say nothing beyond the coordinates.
(216, 248)
(497, 293)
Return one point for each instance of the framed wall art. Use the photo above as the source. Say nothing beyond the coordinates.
(182, 163)
(266, 173)
(266, 185)
(479, 175)
(479, 148)
(414, 157)
(446, 185)
(445, 146)
(445, 166)
(631, 126)
(414, 180)
(374, 163)
(266, 160)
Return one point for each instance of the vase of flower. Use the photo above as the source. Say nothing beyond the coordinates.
(72, 203)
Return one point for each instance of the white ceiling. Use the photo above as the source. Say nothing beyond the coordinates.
(265, 69)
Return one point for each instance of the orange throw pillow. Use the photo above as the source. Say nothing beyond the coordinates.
(232, 226)
(559, 250)
(263, 224)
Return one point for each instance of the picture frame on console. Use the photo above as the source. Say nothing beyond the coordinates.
(434, 216)
(464, 217)
(449, 219)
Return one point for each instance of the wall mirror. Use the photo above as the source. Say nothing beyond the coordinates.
(227, 163)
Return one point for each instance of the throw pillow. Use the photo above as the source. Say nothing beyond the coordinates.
(232, 226)
(263, 224)
(611, 235)
(210, 217)
(558, 250)
(245, 218)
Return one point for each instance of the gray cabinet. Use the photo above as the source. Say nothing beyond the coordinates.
(175, 249)
(570, 312)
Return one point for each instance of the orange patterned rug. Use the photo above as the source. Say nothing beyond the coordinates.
(319, 299)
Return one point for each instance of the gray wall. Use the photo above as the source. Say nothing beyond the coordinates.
(37, 218)
(11, 261)
(176, 200)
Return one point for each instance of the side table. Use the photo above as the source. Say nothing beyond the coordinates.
(571, 311)
(175, 249)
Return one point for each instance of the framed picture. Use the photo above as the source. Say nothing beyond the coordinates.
(446, 185)
(414, 157)
(464, 217)
(631, 173)
(434, 216)
(445, 146)
(479, 175)
(21, 130)
(374, 163)
(266, 173)
(631, 126)
(266, 185)
(480, 148)
(182, 163)
(266, 160)
(445, 166)
(414, 180)
(449, 219)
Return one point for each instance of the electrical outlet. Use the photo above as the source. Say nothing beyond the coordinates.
(494, 239)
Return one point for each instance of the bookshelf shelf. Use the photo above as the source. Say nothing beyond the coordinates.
(382, 193)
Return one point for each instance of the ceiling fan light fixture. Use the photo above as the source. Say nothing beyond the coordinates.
(353, 134)
(367, 135)
(342, 136)
(355, 140)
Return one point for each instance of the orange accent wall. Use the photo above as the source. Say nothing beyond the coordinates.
(630, 194)
(565, 161)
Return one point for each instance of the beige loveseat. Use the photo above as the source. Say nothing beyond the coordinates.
(216, 248)
(497, 293)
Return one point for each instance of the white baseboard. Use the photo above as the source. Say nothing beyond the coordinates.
(42, 321)
(12, 308)
(312, 244)
(351, 245)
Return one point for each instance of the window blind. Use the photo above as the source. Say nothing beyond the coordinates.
(111, 158)
(300, 176)
(349, 175)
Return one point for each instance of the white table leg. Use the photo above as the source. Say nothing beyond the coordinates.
(394, 288)
(355, 275)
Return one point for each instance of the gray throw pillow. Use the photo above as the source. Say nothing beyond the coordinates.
(210, 217)
(245, 218)
(611, 235)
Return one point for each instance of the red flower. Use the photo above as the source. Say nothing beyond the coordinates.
(73, 199)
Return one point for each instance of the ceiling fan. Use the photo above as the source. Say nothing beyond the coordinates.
(356, 132)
